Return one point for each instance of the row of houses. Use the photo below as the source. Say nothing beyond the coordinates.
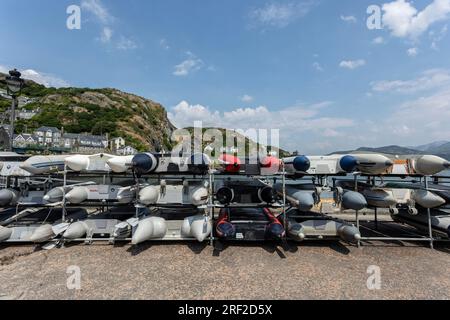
(51, 137)
(21, 100)
(82, 143)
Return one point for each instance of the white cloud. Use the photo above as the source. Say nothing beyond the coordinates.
(429, 79)
(45, 79)
(350, 19)
(437, 37)
(404, 20)
(317, 66)
(126, 44)
(294, 123)
(191, 64)
(4, 69)
(310, 130)
(352, 64)
(246, 98)
(106, 35)
(184, 115)
(378, 40)
(422, 120)
(280, 15)
(331, 133)
(412, 52)
(106, 20)
(97, 8)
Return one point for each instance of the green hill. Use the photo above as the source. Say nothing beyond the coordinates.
(142, 122)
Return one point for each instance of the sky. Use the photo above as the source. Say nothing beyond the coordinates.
(312, 69)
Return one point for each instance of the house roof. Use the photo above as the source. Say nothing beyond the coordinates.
(85, 137)
(52, 129)
(92, 138)
(5, 126)
(28, 111)
(71, 135)
(26, 136)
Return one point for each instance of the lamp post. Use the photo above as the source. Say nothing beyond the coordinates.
(14, 86)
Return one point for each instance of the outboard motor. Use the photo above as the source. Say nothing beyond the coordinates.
(275, 230)
(144, 163)
(225, 195)
(394, 211)
(413, 211)
(224, 228)
(266, 195)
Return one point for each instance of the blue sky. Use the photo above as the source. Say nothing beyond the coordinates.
(309, 68)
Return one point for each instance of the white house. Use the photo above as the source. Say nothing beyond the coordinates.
(48, 135)
(117, 143)
(84, 142)
(25, 139)
(127, 151)
(27, 114)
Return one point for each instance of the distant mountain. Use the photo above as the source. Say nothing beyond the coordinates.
(439, 148)
(430, 146)
(387, 149)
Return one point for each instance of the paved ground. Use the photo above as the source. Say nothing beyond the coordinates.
(195, 271)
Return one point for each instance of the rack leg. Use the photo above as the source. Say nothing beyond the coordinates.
(211, 209)
(357, 226)
(284, 202)
(64, 194)
(376, 218)
(430, 228)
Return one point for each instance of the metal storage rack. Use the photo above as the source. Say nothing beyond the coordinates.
(211, 175)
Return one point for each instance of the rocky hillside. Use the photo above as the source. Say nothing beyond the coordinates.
(142, 122)
(244, 145)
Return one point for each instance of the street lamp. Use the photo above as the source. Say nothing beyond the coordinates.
(14, 86)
